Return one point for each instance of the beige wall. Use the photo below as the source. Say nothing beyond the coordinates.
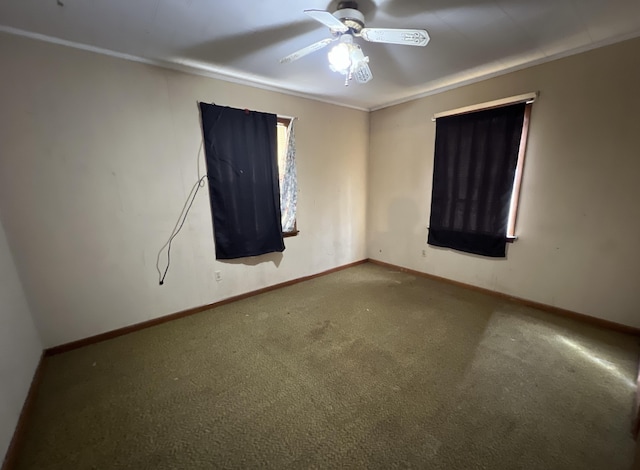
(20, 346)
(579, 221)
(97, 156)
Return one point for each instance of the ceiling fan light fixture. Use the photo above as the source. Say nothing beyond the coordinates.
(347, 58)
(340, 57)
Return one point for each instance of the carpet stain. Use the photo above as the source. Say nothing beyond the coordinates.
(319, 332)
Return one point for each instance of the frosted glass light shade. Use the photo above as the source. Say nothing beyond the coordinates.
(340, 57)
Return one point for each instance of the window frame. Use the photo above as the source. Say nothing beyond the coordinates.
(454, 220)
(285, 121)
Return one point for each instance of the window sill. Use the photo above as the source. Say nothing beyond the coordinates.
(290, 234)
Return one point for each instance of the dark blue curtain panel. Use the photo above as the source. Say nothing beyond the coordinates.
(242, 168)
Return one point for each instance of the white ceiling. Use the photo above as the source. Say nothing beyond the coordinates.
(244, 40)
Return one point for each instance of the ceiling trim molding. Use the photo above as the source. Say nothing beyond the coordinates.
(217, 73)
(485, 76)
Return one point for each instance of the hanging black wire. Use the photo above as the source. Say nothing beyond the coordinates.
(179, 224)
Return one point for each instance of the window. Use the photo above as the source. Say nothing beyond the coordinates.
(478, 165)
(287, 176)
(240, 149)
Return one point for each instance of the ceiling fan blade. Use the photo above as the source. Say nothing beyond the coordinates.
(363, 73)
(328, 20)
(307, 50)
(410, 37)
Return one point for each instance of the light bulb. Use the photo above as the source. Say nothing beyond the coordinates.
(340, 58)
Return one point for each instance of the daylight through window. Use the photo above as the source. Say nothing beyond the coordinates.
(287, 175)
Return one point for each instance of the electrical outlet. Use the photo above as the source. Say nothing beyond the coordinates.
(218, 276)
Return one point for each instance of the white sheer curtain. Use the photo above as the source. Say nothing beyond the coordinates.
(289, 184)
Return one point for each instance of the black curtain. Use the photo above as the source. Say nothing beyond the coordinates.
(242, 167)
(474, 166)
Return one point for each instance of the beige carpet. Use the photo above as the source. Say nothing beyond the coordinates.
(364, 368)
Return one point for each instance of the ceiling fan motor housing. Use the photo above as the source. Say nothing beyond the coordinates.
(350, 16)
(353, 5)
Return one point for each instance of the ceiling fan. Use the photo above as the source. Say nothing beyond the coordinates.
(346, 57)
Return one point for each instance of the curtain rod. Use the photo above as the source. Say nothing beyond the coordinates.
(524, 98)
(290, 118)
